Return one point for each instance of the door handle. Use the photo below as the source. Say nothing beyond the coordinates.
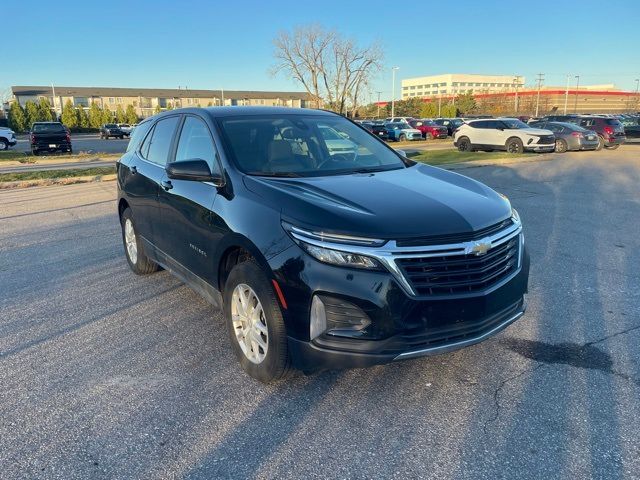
(134, 170)
(167, 185)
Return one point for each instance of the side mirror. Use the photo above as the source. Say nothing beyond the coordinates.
(196, 170)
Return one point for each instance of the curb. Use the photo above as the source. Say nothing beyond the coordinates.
(543, 157)
(43, 182)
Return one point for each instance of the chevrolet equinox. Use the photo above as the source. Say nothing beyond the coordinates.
(319, 258)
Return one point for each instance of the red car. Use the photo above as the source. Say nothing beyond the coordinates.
(429, 128)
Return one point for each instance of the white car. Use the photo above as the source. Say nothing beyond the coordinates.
(7, 138)
(508, 134)
(398, 119)
(126, 129)
(336, 143)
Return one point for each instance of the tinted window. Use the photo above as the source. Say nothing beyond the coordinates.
(196, 143)
(483, 124)
(158, 151)
(48, 128)
(613, 121)
(138, 135)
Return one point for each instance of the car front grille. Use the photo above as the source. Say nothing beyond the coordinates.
(455, 274)
(546, 139)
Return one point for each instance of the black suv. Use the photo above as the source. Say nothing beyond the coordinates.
(109, 130)
(319, 257)
(49, 137)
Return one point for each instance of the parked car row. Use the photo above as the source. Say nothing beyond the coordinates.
(399, 129)
(609, 129)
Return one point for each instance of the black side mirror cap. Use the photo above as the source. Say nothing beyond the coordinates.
(196, 170)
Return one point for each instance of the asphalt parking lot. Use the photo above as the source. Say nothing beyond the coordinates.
(104, 374)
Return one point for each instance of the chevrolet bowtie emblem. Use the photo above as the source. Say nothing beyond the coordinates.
(478, 248)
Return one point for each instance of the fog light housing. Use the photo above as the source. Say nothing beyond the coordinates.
(337, 317)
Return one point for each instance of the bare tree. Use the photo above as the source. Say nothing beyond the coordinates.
(335, 71)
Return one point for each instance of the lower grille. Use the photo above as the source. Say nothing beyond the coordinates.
(545, 139)
(459, 274)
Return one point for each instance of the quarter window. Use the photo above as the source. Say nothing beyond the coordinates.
(158, 149)
(195, 143)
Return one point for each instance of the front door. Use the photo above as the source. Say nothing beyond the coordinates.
(189, 236)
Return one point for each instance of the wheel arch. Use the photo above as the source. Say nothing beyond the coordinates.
(234, 249)
(122, 206)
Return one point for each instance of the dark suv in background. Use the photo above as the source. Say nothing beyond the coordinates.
(314, 254)
(110, 130)
(49, 137)
(610, 130)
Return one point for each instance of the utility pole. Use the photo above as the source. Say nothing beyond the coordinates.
(575, 103)
(566, 95)
(637, 83)
(222, 94)
(393, 90)
(53, 98)
(516, 81)
(378, 115)
(540, 79)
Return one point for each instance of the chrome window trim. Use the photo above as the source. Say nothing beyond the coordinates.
(387, 253)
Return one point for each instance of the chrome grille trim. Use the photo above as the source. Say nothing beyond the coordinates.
(388, 253)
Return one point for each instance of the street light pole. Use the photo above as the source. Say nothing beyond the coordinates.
(378, 115)
(540, 78)
(393, 90)
(53, 98)
(575, 103)
(637, 83)
(566, 95)
(516, 81)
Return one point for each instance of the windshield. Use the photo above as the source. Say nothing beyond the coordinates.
(514, 124)
(297, 145)
(48, 128)
(429, 123)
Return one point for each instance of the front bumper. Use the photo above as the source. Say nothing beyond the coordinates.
(541, 148)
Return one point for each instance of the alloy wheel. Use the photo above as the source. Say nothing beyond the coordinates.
(130, 241)
(249, 323)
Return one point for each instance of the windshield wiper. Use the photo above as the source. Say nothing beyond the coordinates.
(372, 170)
(276, 174)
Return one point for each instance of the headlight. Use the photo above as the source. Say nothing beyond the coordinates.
(326, 248)
(515, 216)
(336, 257)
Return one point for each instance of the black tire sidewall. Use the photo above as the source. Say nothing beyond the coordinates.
(143, 265)
(464, 141)
(516, 141)
(275, 364)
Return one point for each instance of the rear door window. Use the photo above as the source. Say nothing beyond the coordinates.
(160, 140)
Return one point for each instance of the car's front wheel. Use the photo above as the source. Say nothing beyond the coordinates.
(134, 251)
(402, 137)
(514, 145)
(4, 145)
(611, 147)
(255, 323)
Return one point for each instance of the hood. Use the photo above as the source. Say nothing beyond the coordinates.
(411, 202)
(536, 131)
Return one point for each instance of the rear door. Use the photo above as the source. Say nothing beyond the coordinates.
(187, 234)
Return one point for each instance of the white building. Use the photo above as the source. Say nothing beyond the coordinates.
(456, 83)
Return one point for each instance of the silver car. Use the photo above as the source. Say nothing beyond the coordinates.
(570, 136)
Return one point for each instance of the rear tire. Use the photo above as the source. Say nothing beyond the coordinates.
(600, 143)
(464, 145)
(514, 145)
(270, 362)
(138, 261)
(611, 147)
(561, 145)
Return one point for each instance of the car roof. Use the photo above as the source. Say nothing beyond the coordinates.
(219, 112)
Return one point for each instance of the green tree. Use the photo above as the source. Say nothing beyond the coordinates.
(95, 116)
(106, 116)
(120, 115)
(69, 115)
(17, 118)
(130, 115)
(449, 111)
(157, 110)
(466, 103)
(83, 118)
(44, 110)
(429, 110)
(410, 107)
(32, 113)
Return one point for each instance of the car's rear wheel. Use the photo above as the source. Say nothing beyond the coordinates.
(561, 145)
(514, 145)
(254, 320)
(611, 147)
(134, 251)
(464, 145)
(600, 143)
(4, 145)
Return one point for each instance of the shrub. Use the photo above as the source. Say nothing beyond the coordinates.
(131, 116)
(17, 118)
(69, 115)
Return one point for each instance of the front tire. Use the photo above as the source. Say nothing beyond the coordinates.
(4, 145)
(611, 147)
(600, 143)
(402, 137)
(138, 261)
(429, 136)
(514, 145)
(255, 325)
(561, 145)
(464, 145)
